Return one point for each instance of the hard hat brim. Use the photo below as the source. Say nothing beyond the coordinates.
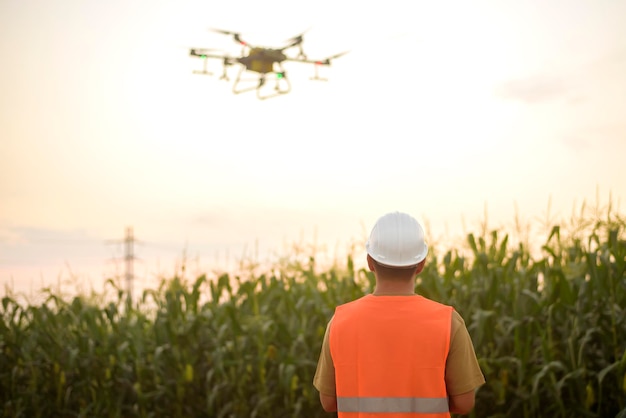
(381, 259)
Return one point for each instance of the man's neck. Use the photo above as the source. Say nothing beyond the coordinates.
(394, 288)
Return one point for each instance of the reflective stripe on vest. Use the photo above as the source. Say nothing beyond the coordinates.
(391, 405)
(389, 354)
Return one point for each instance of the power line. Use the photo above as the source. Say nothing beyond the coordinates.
(129, 259)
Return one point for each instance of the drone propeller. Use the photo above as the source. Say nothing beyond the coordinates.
(236, 35)
(297, 38)
(223, 32)
(296, 41)
(341, 54)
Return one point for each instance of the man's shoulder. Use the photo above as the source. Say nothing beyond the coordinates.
(352, 303)
(457, 322)
(434, 302)
(436, 305)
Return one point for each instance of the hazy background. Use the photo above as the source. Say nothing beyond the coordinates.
(441, 109)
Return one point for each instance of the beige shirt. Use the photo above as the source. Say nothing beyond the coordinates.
(463, 373)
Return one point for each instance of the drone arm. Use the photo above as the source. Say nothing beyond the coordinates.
(324, 61)
(206, 53)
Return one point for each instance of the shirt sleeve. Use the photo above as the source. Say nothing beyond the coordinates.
(463, 372)
(324, 379)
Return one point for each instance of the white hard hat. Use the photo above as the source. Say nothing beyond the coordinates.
(397, 240)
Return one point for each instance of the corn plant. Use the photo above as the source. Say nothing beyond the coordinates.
(549, 329)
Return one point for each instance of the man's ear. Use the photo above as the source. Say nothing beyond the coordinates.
(420, 267)
(371, 264)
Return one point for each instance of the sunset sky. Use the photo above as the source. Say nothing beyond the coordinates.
(440, 109)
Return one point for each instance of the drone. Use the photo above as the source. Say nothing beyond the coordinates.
(263, 61)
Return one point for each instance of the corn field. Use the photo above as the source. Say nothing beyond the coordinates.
(549, 331)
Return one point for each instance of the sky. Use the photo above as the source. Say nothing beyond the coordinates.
(453, 111)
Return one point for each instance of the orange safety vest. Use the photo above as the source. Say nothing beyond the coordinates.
(389, 354)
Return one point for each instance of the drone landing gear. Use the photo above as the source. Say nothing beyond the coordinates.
(282, 85)
(225, 65)
(204, 70)
(316, 76)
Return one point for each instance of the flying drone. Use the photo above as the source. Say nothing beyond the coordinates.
(262, 61)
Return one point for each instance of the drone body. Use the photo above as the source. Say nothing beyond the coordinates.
(262, 61)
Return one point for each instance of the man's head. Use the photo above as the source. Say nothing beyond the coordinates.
(396, 246)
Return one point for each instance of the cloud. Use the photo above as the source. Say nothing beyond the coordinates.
(9, 236)
(27, 244)
(604, 74)
(30, 235)
(597, 138)
(533, 90)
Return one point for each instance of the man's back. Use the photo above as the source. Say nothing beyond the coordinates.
(390, 353)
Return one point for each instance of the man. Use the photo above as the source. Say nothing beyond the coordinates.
(394, 353)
